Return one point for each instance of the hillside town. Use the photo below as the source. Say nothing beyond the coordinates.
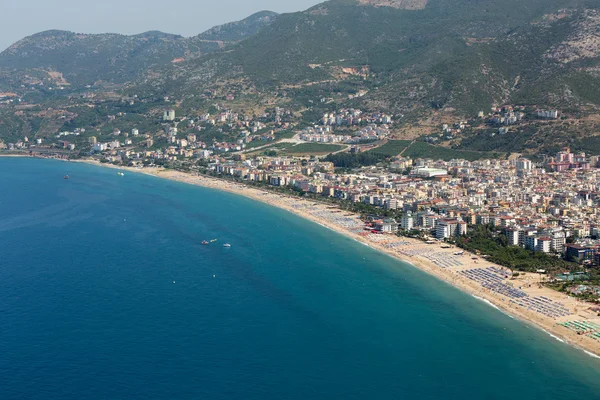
(172, 136)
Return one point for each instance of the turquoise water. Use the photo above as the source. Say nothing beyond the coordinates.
(106, 293)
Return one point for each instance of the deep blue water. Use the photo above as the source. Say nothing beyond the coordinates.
(106, 293)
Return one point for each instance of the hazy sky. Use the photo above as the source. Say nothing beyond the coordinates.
(20, 18)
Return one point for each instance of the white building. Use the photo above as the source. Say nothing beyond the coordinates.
(549, 114)
(391, 204)
(430, 172)
(169, 115)
(450, 227)
(559, 239)
(544, 244)
(514, 236)
(100, 147)
(524, 164)
(204, 153)
(407, 222)
(387, 225)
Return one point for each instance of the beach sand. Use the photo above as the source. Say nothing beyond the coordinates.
(427, 257)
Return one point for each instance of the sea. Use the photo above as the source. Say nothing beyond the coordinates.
(106, 292)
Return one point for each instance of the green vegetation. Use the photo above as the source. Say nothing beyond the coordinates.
(537, 137)
(300, 149)
(486, 241)
(257, 143)
(348, 160)
(236, 31)
(426, 150)
(587, 289)
(85, 59)
(375, 36)
(392, 148)
(273, 149)
(395, 147)
(586, 86)
(313, 148)
(590, 145)
(285, 134)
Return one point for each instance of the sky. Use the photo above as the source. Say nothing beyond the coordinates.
(20, 18)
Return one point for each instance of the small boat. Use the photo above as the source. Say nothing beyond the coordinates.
(226, 245)
(66, 176)
(214, 240)
(204, 242)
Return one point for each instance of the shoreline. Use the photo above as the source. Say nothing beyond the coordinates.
(425, 257)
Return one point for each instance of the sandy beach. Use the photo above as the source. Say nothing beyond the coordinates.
(523, 297)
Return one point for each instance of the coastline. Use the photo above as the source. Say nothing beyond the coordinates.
(411, 251)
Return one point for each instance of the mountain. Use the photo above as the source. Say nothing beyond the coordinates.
(389, 38)
(236, 31)
(368, 32)
(431, 61)
(85, 59)
(444, 58)
(67, 58)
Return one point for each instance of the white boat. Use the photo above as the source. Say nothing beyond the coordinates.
(226, 245)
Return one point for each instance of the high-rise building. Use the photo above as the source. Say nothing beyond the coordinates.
(514, 236)
(450, 227)
(524, 164)
(407, 222)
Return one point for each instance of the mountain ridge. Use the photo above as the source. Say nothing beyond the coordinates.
(238, 30)
(83, 59)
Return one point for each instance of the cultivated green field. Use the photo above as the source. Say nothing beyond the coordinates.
(392, 148)
(426, 150)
